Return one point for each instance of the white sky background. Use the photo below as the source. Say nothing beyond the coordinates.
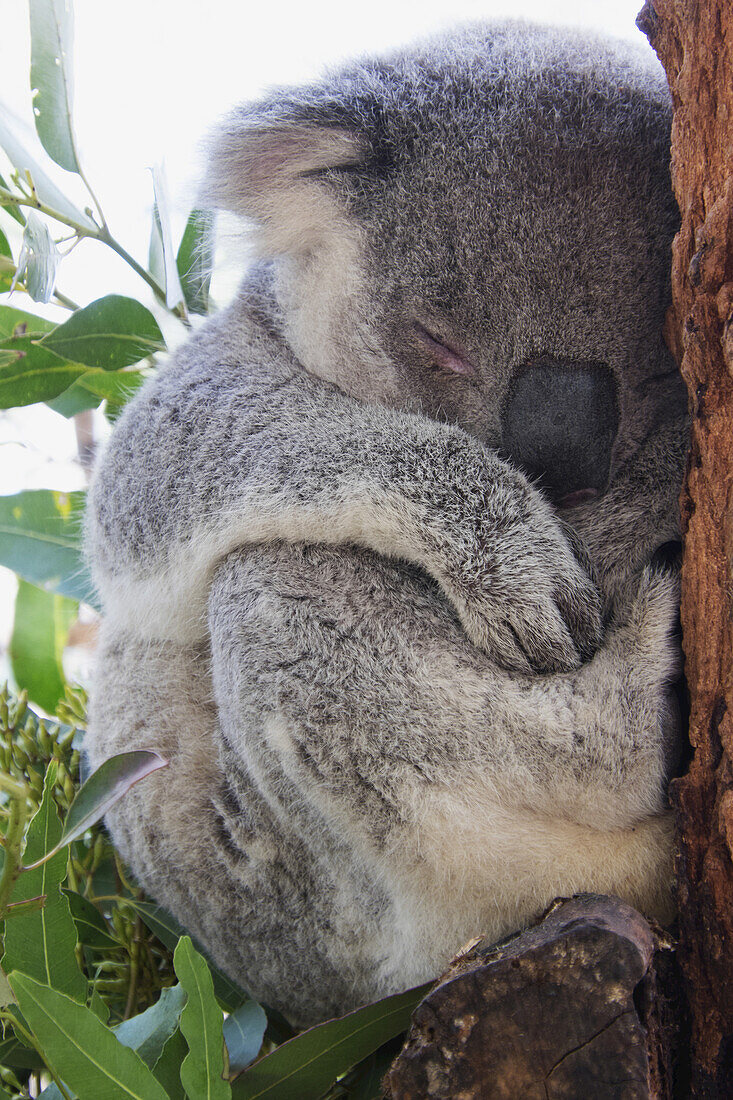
(151, 76)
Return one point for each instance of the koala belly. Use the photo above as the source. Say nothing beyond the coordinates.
(337, 817)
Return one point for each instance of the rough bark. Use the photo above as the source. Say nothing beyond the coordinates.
(569, 1009)
(694, 41)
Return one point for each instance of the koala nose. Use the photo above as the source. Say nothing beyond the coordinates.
(559, 423)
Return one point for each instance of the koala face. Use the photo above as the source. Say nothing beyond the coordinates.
(485, 246)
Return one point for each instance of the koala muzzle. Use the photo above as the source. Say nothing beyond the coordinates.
(559, 423)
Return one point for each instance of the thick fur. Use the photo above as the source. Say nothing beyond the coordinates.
(411, 683)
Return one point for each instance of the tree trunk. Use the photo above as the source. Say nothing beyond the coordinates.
(694, 41)
(525, 1019)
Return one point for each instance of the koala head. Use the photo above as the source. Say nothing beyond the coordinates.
(477, 229)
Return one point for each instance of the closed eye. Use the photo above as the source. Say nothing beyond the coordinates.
(446, 357)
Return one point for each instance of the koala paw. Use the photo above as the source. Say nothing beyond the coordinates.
(633, 678)
(526, 599)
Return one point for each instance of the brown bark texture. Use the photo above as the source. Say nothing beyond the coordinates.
(571, 1008)
(694, 41)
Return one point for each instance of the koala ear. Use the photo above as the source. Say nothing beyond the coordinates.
(268, 171)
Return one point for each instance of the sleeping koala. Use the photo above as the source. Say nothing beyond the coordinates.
(374, 547)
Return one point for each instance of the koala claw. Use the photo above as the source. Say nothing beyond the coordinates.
(537, 611)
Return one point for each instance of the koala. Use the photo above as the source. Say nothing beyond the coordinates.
(377, 546)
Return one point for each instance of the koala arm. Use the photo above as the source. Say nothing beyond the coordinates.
(399, 735)
(215, 456)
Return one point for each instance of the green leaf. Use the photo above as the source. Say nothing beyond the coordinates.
(364, 1082)
(95, 386)
(156, 262)
(16, 322)
(18, 1056)
(7, 997)
(48, 193)
(102, 790)
(91, 927)
(304, 1067)
(30, 373)
(150, 1031)
(99, 1006)
(42, 622)
(201, 1023)
(52, 28)
(7, 267)
(244, 1030)
(41, 944)
(110, 333)
(80, 1049)
(195, 260)
(163, 925)
(161, 242)
(168, 1067)
(40, 539)
(38, 260)
(14, 211)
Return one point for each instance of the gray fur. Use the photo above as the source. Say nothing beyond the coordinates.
(409, 692)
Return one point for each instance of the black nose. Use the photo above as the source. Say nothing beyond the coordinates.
(559, 423)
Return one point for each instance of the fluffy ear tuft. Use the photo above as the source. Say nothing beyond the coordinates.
(268, 172)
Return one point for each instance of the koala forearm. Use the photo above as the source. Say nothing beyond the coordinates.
(276, 455)
(434, 715)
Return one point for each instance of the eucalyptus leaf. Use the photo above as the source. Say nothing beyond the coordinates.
(30, 373)
(99, 1006)
(16, 323)
(110, 333)
(195, 260)
(52, 29)
(42, 943)
(95, 386)
(17, 149)
(148, 1032)
(40, 539)
(15, 1054)
(201, 1024)
(80, 1049)
(244, 1030)
(13, 211)
(102, 790)
(40, 631)
(164, 925)
(7, 266)
(91, 927)
(364, 1082)
(162, 225)
(7, 997)
(168, 1067)
(38, 261)
(304, 1067)
(156, 261)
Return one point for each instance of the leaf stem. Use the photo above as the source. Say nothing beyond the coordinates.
(95, 200)
(98, 233)
(65, 301)
(16, 908)
(106, 237)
